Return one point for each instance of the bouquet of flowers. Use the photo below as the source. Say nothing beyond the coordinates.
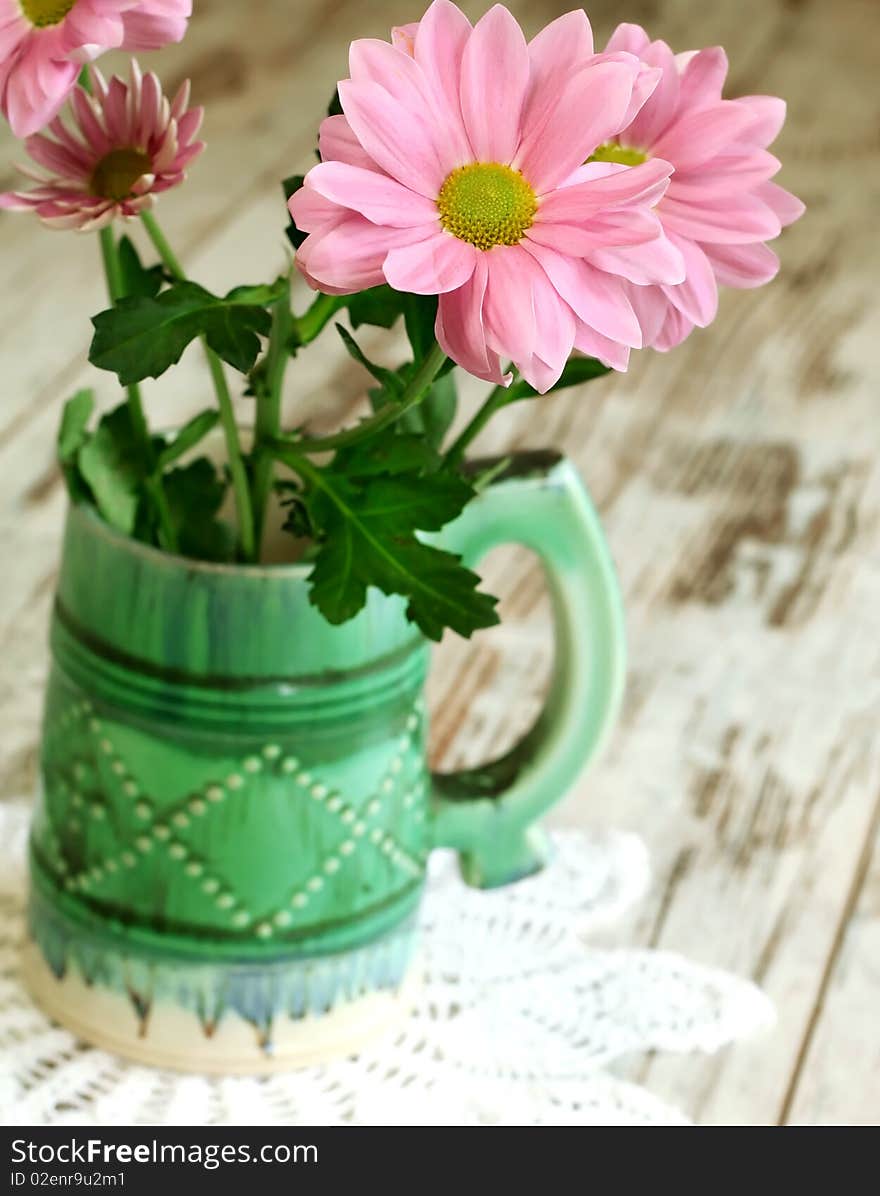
(530, 210)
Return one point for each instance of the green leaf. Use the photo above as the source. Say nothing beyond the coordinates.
(391, 382)
(420, 315)
(112, 465)
(334, 108)
(141, 337)
(391, 453)
(433, 417)
(577, 370)
(188, 437)
(74, 422)
(367, 537)
(72, 435)
(138, 281)
(291, 185)
(195, 493)
(380, 306)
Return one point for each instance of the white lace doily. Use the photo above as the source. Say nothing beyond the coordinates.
(514, 1025)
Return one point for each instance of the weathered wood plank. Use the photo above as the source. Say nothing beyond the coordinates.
(738, 479)
(838, 1080)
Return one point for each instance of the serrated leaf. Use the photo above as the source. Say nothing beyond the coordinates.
(138, 281)
(391, 382)
(111, 463)
(141, 337)
(367, 537)
(195, 493)
(74, 422)
(389, 453)
(188, 437)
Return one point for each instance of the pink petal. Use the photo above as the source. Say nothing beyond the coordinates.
(337, 143)
(587, 112)
(733, 221)
(743, 266)
(374, 61)
(434, 266)
(460, 330)
(554, 333)
(56, 158)
(35, 92)
(699, 135)
(696, 297)
(644, 87)
(643, 184)
(656, 261)
(631, 38)
(494, 78)
(403, 37)
(676, 328)
(440, 39)
(702, 79)
(617, 226)
(349, 256)
(555, 54)
(726, 173)
(659, 111)
(374, 195)
(508, 309)
(786, 206)
(650, 305)
(597, 298)
(609, 352)
(314, 213)
(395, 137)
(768, 113)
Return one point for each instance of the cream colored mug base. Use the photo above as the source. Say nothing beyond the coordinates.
(174, 1038)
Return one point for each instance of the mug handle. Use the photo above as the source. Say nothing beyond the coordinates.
(488, 814)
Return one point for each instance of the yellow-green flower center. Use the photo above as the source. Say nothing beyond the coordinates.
(43, 13)
(118, 171)
(486, 204)
(624, 155)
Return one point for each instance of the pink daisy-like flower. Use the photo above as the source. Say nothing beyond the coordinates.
(44, 43)
(720, 206)
(458, 170)
(126, 144)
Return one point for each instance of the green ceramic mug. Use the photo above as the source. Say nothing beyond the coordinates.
(230, 848)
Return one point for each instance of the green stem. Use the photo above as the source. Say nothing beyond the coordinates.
(163, 248)
(236, 459)
(224, 402)
(494, 401)
(115, 289)
(413, 393)
(110, 256)
(268, 421)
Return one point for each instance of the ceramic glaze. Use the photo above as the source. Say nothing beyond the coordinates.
(230, 848)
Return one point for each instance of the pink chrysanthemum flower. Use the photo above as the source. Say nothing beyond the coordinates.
(44, 43)
(458, 170)
(126, 144)
(720, 206)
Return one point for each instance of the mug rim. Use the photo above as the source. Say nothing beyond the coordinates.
(292, 570)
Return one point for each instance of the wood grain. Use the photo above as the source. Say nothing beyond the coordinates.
(739, 480)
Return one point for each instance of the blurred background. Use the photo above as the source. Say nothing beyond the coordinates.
(738, 479)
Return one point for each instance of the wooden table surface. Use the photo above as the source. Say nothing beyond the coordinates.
(739, 481)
